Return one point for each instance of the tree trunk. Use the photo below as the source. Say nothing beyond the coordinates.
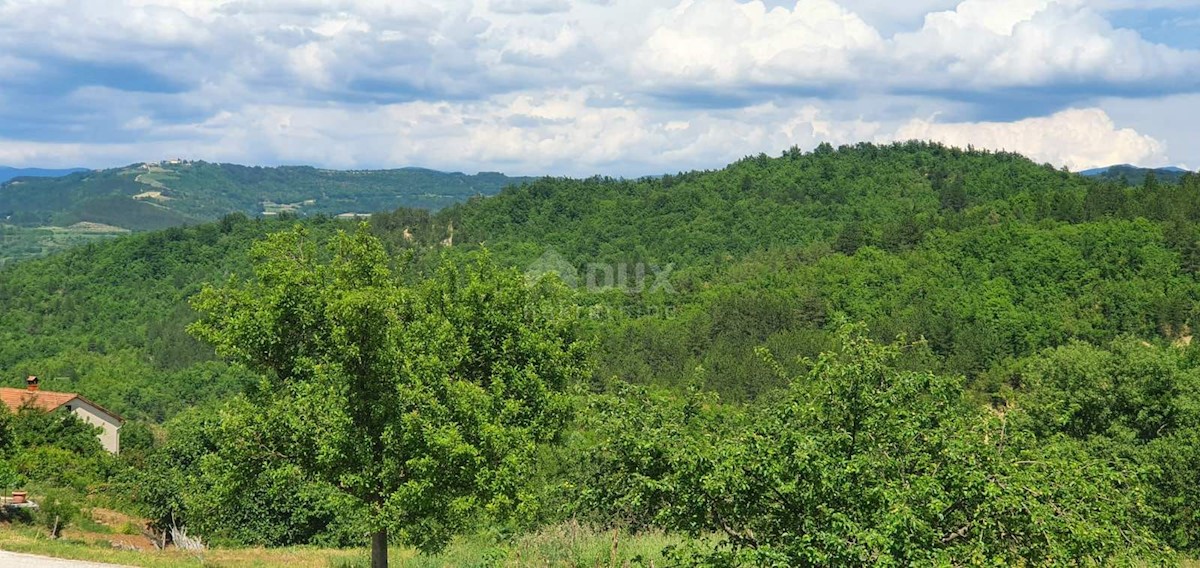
(379, 549)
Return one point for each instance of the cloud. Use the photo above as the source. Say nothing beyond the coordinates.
(985, 44)
(1167, 118)
(1075, 138)
(1109, 5)
(574, 132)
(560, 86)
(892, 17)
(571, 132)
(529, 6)
(387, 51)
(724, 41)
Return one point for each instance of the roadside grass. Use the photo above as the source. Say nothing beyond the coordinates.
(568, 544)
(72, 546)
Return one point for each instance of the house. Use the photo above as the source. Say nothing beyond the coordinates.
(86, 410)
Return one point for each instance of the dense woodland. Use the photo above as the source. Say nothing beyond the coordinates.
(898, 355)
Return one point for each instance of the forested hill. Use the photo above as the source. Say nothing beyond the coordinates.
(889, 197)
(989, 256)
(1136, 175)
(175, 192)
(7, 173)
(1049, 379)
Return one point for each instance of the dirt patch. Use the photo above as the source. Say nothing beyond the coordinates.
(152, 195)
(129, 532)
(90, 227)
(115, 519)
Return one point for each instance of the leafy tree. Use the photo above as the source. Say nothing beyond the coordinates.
(6, 429)
(1127, 391)
(861, 463)
(221, 476)
(1129, 401)
(424, 404)
(33, 427)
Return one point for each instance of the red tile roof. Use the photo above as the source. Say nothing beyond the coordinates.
(45, 400)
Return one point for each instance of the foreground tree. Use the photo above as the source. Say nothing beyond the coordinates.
(424, 403)
(860, 462)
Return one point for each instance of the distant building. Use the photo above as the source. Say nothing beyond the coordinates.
(86, 410)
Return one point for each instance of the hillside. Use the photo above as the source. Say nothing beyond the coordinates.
(7, 173)
(1136, 175)
(742, 321)
(176, 192)
(806, 231)
(39, 216)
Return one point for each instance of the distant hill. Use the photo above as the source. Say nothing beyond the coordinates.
(170, 193)
(7, 173)
(1136, 175)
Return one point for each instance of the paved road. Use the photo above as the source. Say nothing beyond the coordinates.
(15, 560)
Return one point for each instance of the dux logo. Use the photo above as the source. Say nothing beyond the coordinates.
(598, 276)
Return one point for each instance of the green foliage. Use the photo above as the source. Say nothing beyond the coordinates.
(629, 442)
(1137, 176)
(57, 509)
(10, 480)
(7, 435)
(33, 427)
(1049, 405)
(50, 450)
(148, 197)
(860, 462)
(1127, 391)
(20, 243)
(108, 321)
(1129, 401)
(423, 404)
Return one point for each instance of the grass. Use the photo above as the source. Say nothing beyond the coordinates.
(72, 546)
(19, 243)
(568, 544)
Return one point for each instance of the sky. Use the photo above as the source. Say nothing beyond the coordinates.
(584, 87)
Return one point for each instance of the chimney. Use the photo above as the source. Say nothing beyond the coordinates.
(31, 383)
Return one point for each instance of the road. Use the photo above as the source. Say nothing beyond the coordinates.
(15, 560)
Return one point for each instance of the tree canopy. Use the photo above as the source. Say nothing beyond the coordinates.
(423, 403)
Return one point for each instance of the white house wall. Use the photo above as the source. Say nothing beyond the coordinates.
(110, 438)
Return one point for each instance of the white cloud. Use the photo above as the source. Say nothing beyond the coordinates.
(724, 41)
(1075, 138)
(566, 132)
(977, 46)
(561, 132)
(1020, 43)
(892, 17)
(558, 86)
(1171, 118)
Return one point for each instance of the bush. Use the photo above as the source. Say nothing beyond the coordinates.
(861, 462)
(56, 510)
(10, 479)
(50, 466)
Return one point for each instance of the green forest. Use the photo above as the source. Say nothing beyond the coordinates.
(39, 216)
(903, 354)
